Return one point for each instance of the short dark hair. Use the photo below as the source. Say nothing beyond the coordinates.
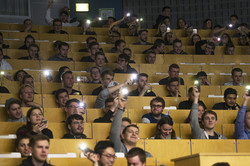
(73, 117)
(151, 52)
(173, 66)
(137, 152)
(59, 91)
(166, 7)
(244, 24)
(64, 73)
(142, 75)
(107, 72)
(15, 76)
(94, 68)
(112, 18)
(118, 42)
(57, 43)
(27, 20)
(234, 15)
(28, 36)
(102, 145)
(24, 86)
(158, 99)
(127, 120)
(93, 44)
(34, 45)
(99, 53)
(128, 49)
(63, 44)
(131, 125)
(10, 102)
(71, 101)
(229, 91)
(57, 20)
(124, 56)
(208, 112)
(19, 138)
(177, 41)
(158, 43)
(201, 73)
(142, 30)
(173, 80)
(91, 38)
(64, 12)
(221, 164)
(38, 137)
(236, 70)
(108, 100)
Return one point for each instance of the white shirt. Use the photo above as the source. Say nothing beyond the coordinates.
(4, 65)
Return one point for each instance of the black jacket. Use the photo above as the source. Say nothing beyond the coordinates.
(28, 162)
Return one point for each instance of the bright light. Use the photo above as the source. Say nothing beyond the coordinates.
(137, 20)
(194, 31)
(46, 72)
(2, 73)
(168, 29)
(83, 147)
(248, 87)
(230, 25)
(124, 91)
(128, 14)
(99, 18)
(82, 104)
(78, 79)
(196, 82)
(82, 7)
(88, 21)
(141, 19)
(133, 76)
(218, 38)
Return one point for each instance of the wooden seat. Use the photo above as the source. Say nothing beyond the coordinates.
(86, 88)
(228, 130)
(79, 38)
(7, 145)
(20, 27)
(243, 146)
(55, 65)
(23, 64)
(179, 116)
(134, 39)
(53, 37)
(101, 31)
(207, 59)
(140, 58)
(72, 30)
(9, 127)
(173, 58)
(101, 130)
(22, 35)
(10, 161)
(136, 114)
(90, 100)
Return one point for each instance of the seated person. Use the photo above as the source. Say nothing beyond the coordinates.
(242, 41)
(229, 50)
(123, 143)
(61, 70)
(33, 51)
(57, 27)
(36, 124)
(63, 53)
(62, 97)
(123, 65)
(230, 97)
(28, 79)
(209, 48)
(18, 76)
(143, 88)
(236, 77)
(177, 47)
(173, 87)
(27, 42)
(157, 105)
(106, 77)
(76, 127)
(109, 111)
(26, 95)
(173, 72)
(242, 30)
(92, 49)
(169, 38)
(150, 57)
(114, 36)
(74, 106)
(27, 26)
(14, 110)
(119, 46)
(128, 51)
(158, 47)
(202, 77)
(2, 45)
(22, 146)
(201, 110)
(187, 104)
(95, 75)
(208, 119)
(164, 129)
(4, 65)
(242, 123)
(39, 146)
(99, 61)
(88, 41)
(143, 37)
(136, 156)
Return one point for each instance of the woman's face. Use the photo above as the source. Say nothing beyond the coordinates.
(170, 38)
(166, 129)
(181, 24)
(224, 39)
(20, 76)
(36, 117)
(209, 24)
(200, 111)
(163, 28)
(167, 22)
(196, 39)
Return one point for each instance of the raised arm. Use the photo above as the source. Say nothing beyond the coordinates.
(117, 22)
(48, 18)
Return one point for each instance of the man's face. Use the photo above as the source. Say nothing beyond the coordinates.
(106, 80)
(121, 47)
(76, 127)
(144, 36)
(122, 62)
(208, 49)
(166, 12)
(209, 121)
(29, 81)
(23, 147)
(114, 37)
(173, 87)
(203, 80)
(64, 17)
(40, 150)
(68, 80)
(156, 108)
(161, 48)
(142, 81)
(174, 72)
(29, 41)
(95, 74)
(62, 99)
(237, 77)
(33, 51)
(94, 49)
(20, 76)
(74, 108)
(27, 94)
(247, 120)
(100, 60)
(108, 105)
(230, 51)
(242, 40)
(64, 51)
(231, 100)
(135, 161)
(15, 111)
(151, 58)
(127, 52)
(131, 135)
(196, 39)
(177, 47)
(165, 129)
(114, 94)
(27, 24)
(108, 157)
(57, 27)
(110, 21)
(234, 20)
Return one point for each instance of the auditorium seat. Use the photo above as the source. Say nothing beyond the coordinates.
(177, 59)
(179, 116)
(23, 64)
(22, 35)
(138, 49)
(207, 59)
(243, 146)
(217, 68)
(10, 161)
(5, 26)
(101, 130)
(140, 58)
(136, 114)
(101, 31)
(112, 57)
(73, 30)
(79, 38)
(53, 37)
(7, 146)
(9, 127)
(204, 32)
(55, 65)
(86, 88)
(134, 39)
(90, 100)
(228, 130)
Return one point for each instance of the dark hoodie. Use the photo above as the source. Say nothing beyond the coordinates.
(28, 162)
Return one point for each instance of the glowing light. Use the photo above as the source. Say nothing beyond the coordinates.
(128, 14)
(88, 21)
(124, 91)
(46, 72)
(83, 147)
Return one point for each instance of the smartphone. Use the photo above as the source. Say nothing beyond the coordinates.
(197, 84)
(44, 121)
(194, 31)
(83, 147)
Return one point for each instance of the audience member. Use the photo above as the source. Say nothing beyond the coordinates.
(56, 45)
(242, 123)
(18, 76)
(167, 21)
(187, 104)
(242, 30)
(60, 72)
(209, 121)
(92, 49)
(106, 77)
(162, 29)
(123, 65)
(39, 146)
(26, 95)
(173, 72)
(27, 42)
(236, 77)
(164, 129)
(62, 97)
(225, 39)
(234, 21)
(202, 78)
(207, 24)
(221, 164)
(100, 62)
(4, 65)
(114, 36)
(229, 50)
(76, 127)
(169, 38)
(217, 30)
(33, 51)
(242, 41)
(158, 47)
(27, 26)
(63, 53)
(68, 83)
(177, 47)
(209, 48)
(195, 38)
(136, 156)
(74, 106)
(2, 45)
(95, 75)
(230, 97)
(28, 79)
(119, 46)
(181, 23)
(173, 87)
(128, 51)
(166, 12)
(14, 110)
(88, 41)
(201, 110)
(143, 37)
(150, 57)
(143, 88)
(36, 124)
(157, 105)
(22, 146)
(57, 27)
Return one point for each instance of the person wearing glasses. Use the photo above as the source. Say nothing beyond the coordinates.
(209, 48)
(74, 106)
(157, 105)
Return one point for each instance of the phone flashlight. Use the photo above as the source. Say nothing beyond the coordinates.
(99, 18)
(248, 88)
(46, 73)
(141, 19)
(197, 84)
(194, 31)
(168, 29)
(218, 39)
(128, 14)
(88, 21)
(83, 147)
(230, 25)
(82, 104)
(2, 72)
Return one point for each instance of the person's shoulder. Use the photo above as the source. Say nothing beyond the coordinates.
(67, 136)
(219, 105)
(134, 93)
(163, 81)
(151, 93)
(63, 32)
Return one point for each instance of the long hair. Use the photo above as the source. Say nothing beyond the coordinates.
(165, 120)
(28, 123)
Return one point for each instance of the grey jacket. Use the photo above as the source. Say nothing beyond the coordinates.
(115, 134)
(197, 131)
(22, 119)
(100, 101)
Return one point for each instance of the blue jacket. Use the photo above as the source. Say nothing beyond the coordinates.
(240, 131)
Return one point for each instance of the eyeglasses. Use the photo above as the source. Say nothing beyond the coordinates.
(157, 106)
(109, 156)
